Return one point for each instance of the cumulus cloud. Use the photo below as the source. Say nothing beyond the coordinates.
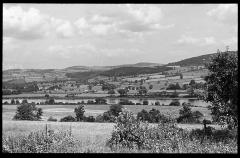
(186, 39)
(226, 13)
(31, 24)
(130, 19)
(28, 24)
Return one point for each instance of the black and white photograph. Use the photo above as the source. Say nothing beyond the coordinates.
(120, 78)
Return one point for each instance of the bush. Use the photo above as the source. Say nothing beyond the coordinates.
(90, 102)
(153, 116)
(175, 103)
(115, 109)
(79, 111)
(187, 116)
(100, 101)
(99, 118)
(89, 119)
(138, 104)
(68, 118)
(28, 111)
(130, 134)
(157, 103)
(43, 141)
(145, 102)
(52, 119)
(125, 102)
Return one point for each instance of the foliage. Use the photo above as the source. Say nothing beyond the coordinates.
(43, 141)
(130, 134)
(173, 86)
(88, 119)
(153, 116)
(123, 92)
(115, 109)
(28, 111)
(52, 119)
(145, 102)
(68, 118)
(125, 102)
(100, 101)
(13, 101)
(111, 91)
(187, 116)
(175, 103)
(222, 88)
(79, 112)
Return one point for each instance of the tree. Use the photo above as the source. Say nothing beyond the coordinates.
(17, 101)
(79, 111)
(142, 90)
(28, 111)
(111, 91)
(122, 92)
(24, 101)
(100, 101)
(151, 87)
(145, 102)
(13, 101)
(181, 76)
(115, 109)
(192, 82)
(222, 87)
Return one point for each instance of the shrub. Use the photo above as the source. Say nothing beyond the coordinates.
(115, 109)
(43, 141)
(89, 119)
(79, 111)
(100, 101)
(153, 116)
(157, 103)
(187, 116)
(99, 118)
(130, 134)
(52, 119)
(28, 111)
(13, 101)
(125, 102)
(90, 102)
(24, 101)
(68, 118)
(145, 102)
(108, 117)
(138, 104)
(175, 103)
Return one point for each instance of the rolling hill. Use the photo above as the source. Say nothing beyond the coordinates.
(195, 61)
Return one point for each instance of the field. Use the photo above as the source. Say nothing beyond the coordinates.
(59, 111)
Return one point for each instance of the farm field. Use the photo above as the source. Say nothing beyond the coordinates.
(59, 111)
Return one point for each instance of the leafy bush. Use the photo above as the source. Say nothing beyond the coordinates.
(125, 102)
(28, 111)
(43, 141)
(115, 109)
(175, 103)
(68, 118)
(100, 101)
(157, 103)
(99, 118)
(145, 102)
(89, 119)
(52, 119)
(130, 134)
(153, 116)
(187, 116)
(79, 111)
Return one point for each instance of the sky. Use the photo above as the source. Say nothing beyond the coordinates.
(55, 36)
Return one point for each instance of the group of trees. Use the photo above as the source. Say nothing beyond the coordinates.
(153, 116)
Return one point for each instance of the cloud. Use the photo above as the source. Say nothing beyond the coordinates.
(230, 41)
(31, 24)
(186, 39)
(65, 29)
(131, 20)
(226, 13)
(24, 24)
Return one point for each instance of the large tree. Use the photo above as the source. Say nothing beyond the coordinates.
(222, 87)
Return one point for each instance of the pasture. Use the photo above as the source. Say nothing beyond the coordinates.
(59, 111)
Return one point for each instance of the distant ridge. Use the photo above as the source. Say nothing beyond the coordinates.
(195, 61)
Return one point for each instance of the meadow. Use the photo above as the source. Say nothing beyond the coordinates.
(59, 111)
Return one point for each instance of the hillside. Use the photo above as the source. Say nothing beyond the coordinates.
(195, 61)
(127, 71)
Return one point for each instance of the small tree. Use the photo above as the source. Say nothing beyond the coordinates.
(79, 111)
(24, 101)
(13, 101)
(222, 87)
(145, 102)
(122, 92)
(151, 87)
(115, 109)
(111, 91)
(28, 111)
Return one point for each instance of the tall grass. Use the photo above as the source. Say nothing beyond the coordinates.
(132, 135)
